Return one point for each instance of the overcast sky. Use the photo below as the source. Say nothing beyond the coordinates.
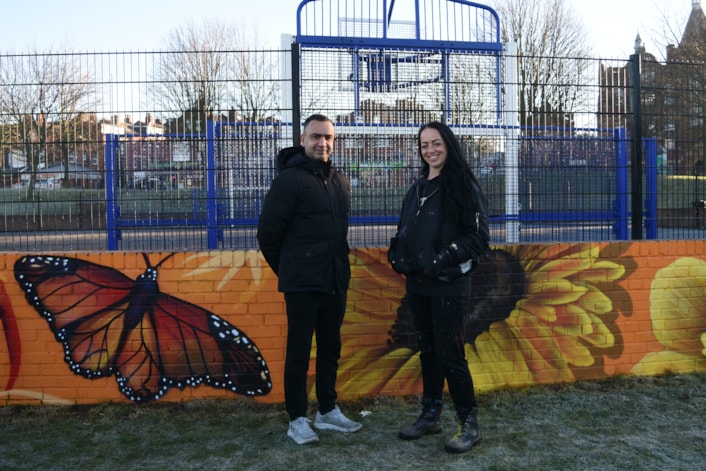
(91, 25)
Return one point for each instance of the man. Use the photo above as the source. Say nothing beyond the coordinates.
(302, 234)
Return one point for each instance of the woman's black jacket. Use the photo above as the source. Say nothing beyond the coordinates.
(425, 230)
(303, 226)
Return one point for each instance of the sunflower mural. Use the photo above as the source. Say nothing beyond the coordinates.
(540, 315)
(678, 316)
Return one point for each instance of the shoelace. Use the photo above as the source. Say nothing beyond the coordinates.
(300, 425)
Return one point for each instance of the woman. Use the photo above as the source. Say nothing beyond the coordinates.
(443, 228)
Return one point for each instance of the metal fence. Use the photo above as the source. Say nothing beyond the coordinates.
(115, 151)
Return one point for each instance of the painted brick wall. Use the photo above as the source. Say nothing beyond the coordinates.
(543, 313)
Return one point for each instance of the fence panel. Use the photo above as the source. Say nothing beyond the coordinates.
(54, 193)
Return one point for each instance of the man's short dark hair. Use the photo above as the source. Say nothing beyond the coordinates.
(316, 117)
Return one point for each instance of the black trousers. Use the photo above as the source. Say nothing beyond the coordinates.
(438, 321)
(308, 313)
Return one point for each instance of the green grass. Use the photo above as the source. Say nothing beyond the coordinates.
(645, 423)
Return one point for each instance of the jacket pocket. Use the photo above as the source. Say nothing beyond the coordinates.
(309, 267)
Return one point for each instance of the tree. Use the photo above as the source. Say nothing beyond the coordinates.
(551, 46)
(666, 33)
(41, 95)
(255, 71)
(208, 71)
(472, 101)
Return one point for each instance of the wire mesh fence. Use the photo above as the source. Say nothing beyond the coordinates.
(113, 150)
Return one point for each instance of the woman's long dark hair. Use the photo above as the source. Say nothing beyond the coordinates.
(457, 178)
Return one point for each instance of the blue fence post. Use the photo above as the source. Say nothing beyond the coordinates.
(212, 228)
(620, 204)
(112, 209)
(651, 183)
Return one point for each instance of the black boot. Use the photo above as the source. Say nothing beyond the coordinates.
(426, 423)
(468, 433)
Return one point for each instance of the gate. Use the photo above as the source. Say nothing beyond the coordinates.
(201, 191)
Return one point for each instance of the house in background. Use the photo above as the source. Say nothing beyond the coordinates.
(673, 101)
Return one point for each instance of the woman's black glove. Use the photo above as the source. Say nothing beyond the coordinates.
(442, 261)
(399, 256)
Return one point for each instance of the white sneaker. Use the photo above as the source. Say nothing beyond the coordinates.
(335, 420)
(300, 431)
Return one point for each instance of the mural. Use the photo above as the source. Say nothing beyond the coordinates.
(151, 341)
(542, 314)
(678, 317)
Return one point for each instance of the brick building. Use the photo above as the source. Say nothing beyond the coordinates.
(672, 96)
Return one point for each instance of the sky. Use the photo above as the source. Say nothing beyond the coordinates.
(105, 26)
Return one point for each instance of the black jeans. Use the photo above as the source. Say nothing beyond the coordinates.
(439, 324)
(308, 313)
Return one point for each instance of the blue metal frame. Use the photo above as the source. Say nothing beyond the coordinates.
(213, 233)
(215, 218)
(355, 44)
(384, 41)
(111, 190)
(650, 216)
(621, 205)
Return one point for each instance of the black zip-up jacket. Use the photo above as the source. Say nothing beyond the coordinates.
(303, 226)
(426, 231)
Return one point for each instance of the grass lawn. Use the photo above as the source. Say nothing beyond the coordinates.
(640, 423)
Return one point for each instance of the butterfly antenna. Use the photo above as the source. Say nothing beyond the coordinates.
(149, 263)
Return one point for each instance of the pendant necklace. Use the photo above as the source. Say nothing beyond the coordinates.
(423, 199)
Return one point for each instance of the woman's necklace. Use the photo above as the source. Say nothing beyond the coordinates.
(423, 199)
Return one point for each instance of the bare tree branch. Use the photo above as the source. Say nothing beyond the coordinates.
(209, 72)
(41, 95)
(551, 44)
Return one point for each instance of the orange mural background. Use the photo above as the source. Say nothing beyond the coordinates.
(544, 313)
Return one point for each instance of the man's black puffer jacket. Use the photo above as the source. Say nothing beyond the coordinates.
(303, 225)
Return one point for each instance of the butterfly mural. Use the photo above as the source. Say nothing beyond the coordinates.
(110, 324)
(8, 322)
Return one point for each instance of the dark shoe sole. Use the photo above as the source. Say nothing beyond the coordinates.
(432, 431)
(461, 450)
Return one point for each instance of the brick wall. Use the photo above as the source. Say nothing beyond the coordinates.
(543, 313)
